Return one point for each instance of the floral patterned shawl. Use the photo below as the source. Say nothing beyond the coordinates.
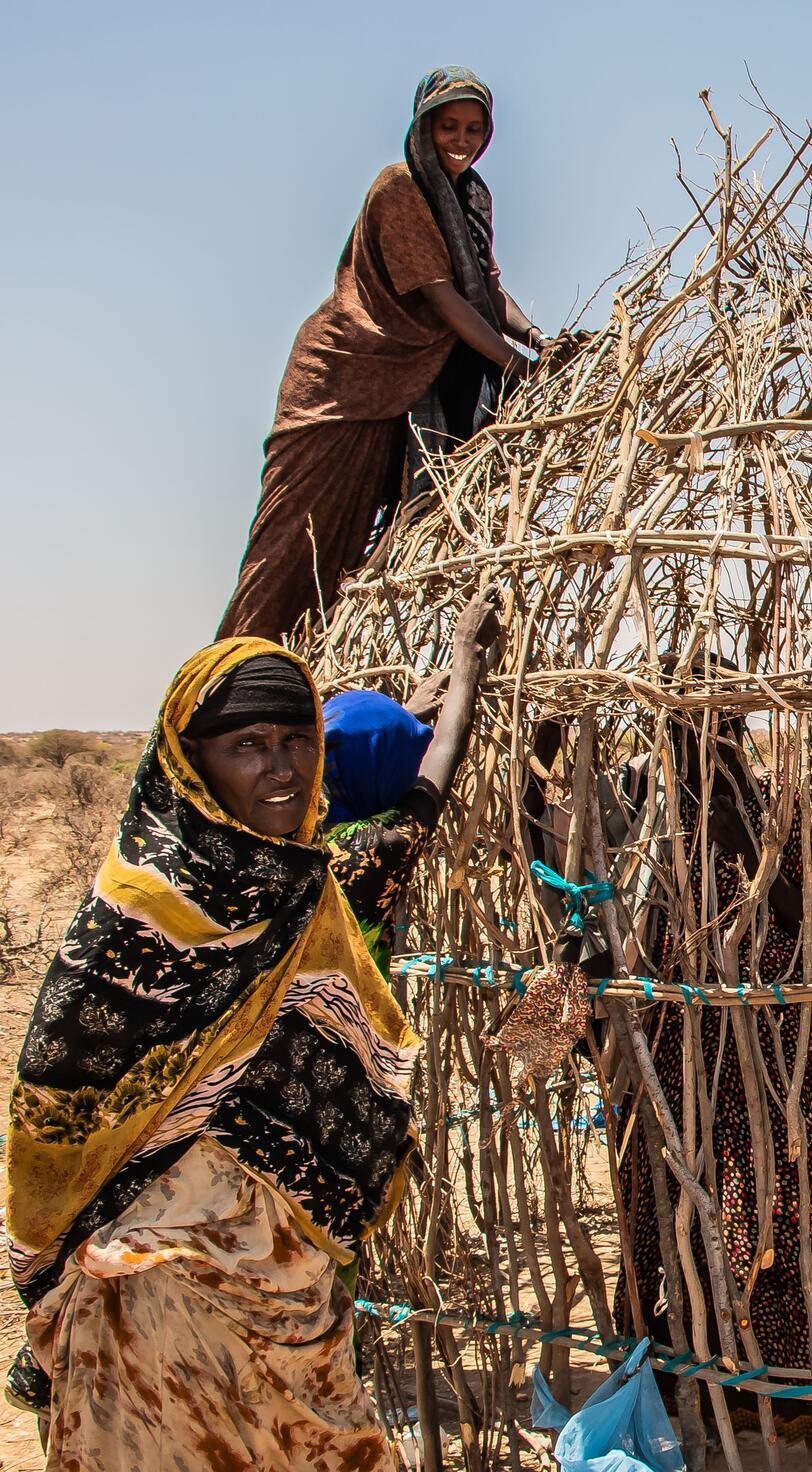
(213, 981)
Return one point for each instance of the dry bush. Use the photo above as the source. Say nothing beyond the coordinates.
(56, 746)
(9, 752)
(87, 802)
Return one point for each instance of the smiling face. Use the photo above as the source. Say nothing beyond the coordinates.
(261, 774)
(458, 131)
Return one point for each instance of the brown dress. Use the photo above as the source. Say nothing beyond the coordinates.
(203, 1330)
(336, 453)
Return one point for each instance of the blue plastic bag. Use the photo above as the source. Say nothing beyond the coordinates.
(623, 1427)
(546, 1413)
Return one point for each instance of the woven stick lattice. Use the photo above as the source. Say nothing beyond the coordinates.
(650, 499)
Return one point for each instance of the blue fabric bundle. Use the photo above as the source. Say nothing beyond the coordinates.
(623, 1427)
(372, 754)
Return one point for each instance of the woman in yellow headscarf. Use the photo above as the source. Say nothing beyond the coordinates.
(211, 1111)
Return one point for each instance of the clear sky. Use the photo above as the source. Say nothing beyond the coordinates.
(178, 179)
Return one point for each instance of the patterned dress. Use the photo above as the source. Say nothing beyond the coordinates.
(778, 1312)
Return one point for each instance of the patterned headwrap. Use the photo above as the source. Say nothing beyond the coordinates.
(269, 688)
(205, 961)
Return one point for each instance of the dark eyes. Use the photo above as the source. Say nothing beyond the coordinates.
(451, 127)
(247, 743)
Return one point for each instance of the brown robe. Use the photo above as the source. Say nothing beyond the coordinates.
(335, 455)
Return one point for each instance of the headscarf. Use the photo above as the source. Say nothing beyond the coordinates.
(372, 754)
(268, 688)
(205, 966)
(464, 213)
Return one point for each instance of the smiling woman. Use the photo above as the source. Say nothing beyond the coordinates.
(458, 133)
(415, 325)
(255, 744)
(215, 1085)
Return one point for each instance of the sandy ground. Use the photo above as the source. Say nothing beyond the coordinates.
(32, 890)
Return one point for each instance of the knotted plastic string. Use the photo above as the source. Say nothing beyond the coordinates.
(482, 975)
(396, 1313)
(429, 960)
(579, 897)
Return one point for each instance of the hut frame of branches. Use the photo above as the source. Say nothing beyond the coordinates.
(650, 498)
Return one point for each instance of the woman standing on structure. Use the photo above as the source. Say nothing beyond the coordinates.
(416, 318)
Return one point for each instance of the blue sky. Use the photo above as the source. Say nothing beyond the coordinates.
(179, 178)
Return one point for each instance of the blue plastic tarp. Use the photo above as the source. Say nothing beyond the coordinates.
(623, 1427)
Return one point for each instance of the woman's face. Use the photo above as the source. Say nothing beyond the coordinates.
(262, 774)
(458, 132)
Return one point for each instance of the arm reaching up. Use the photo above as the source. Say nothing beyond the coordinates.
(477, 628)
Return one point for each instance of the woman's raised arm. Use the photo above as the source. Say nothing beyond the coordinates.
(477, 628)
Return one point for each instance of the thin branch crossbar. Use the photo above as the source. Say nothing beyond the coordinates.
(521, 1326)
(501, 977)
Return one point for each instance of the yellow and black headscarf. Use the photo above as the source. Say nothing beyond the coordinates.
(213, 980)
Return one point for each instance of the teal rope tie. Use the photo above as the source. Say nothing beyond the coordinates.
(790, 1392)
(429, 960)
(577, 897)
(589, 1336)
(645, 981)
(507, 924)
(514, 1321)
(691, 994)
(396, 1313)
(740, 1379)
(703, 1365)
(698, 994)
(669, 1366)
(482, 975)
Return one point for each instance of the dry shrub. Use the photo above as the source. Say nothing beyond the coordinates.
(57, 746)
(87, 804)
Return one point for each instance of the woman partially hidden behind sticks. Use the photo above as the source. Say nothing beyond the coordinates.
(759, 1215)
(760, 1218)
(415, 322)
(211, 1111)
